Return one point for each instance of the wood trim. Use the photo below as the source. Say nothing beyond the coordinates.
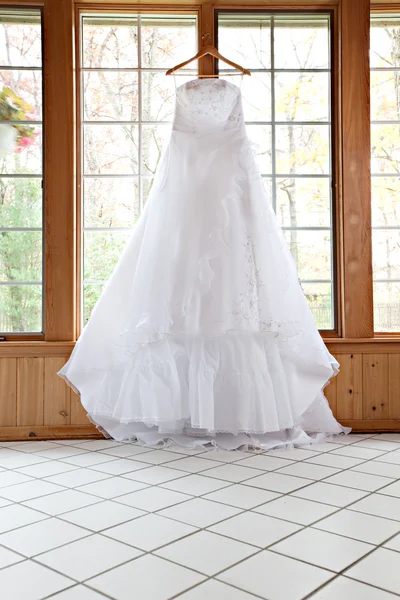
(115, 7)
(262, 4)
(360, 425)
(21, 4)
(35, 349)
(277, 5)
(78, 181)
(336, 346)
(356, 179)
(337, 195)
(48, 433)
(363, 347)
(59, 181)
(385, 6)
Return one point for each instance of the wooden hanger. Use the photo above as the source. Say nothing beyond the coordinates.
(212, 50)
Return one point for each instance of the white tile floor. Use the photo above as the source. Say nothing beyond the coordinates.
(96, 520)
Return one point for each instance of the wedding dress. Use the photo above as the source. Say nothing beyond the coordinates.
(202, 335)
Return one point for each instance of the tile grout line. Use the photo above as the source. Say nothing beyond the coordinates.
(241, 511)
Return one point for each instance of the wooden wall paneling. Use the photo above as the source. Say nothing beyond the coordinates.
(59, 180)
(349, 387)
(376, 387)
(356, 179)
(330, 392)
(8, 392)
(394, 386)
(30, 392)
(78, 413)
(57, 397)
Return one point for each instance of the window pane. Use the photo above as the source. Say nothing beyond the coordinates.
(102, 251)
(25, 89)
(301, 42)
(256, 97)
(290, 90)
(312, 252)
(320, 301)
(20, 202)
(25, 155)
(387, 306)
(110, 149)
(246, 39)
(303, 202)
(136, 100)
(302, 149)
(21, 164)
(385, 201)
(21, 256)
(158, 96)
(385, 31)
(385, 166)
(302, 96)
(155, 139)
(385, 141)
(167, 40)
(20, 38)
(111, 202)
(110, 42)
(110, 96)
(383, 96)
(91, 293)
(20, 308)
(386, 253)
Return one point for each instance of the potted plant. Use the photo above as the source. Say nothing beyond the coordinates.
(14, 108)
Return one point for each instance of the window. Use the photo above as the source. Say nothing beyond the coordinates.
(126, 111)
(385, 168)
(21, 206)
(287, 105)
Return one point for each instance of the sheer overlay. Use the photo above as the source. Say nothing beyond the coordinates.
(202, 334)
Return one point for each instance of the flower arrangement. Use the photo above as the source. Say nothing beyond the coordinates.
(14, 108)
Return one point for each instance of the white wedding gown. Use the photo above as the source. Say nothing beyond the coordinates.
(202, 335)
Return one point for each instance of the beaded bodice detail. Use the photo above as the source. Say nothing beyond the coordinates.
(208, 105)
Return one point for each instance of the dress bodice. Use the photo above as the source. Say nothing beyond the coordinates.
(207, 105)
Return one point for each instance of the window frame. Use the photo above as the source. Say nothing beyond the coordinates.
(36, 335)
(335, 332)
(382, 8)
(80, 13)
(353, 222)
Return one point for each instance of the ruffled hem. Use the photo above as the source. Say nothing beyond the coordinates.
(233, 390)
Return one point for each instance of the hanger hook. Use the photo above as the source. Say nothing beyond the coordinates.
(206, 36)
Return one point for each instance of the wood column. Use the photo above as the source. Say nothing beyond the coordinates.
(356, 182)
(59, 179)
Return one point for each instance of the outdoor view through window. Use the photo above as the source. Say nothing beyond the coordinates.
(21, 212)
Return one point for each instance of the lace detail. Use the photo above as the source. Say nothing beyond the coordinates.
(206, 105)
(246, 307)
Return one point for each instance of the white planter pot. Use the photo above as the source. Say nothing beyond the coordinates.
(8, 137)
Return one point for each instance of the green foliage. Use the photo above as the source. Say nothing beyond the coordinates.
(20, 255)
